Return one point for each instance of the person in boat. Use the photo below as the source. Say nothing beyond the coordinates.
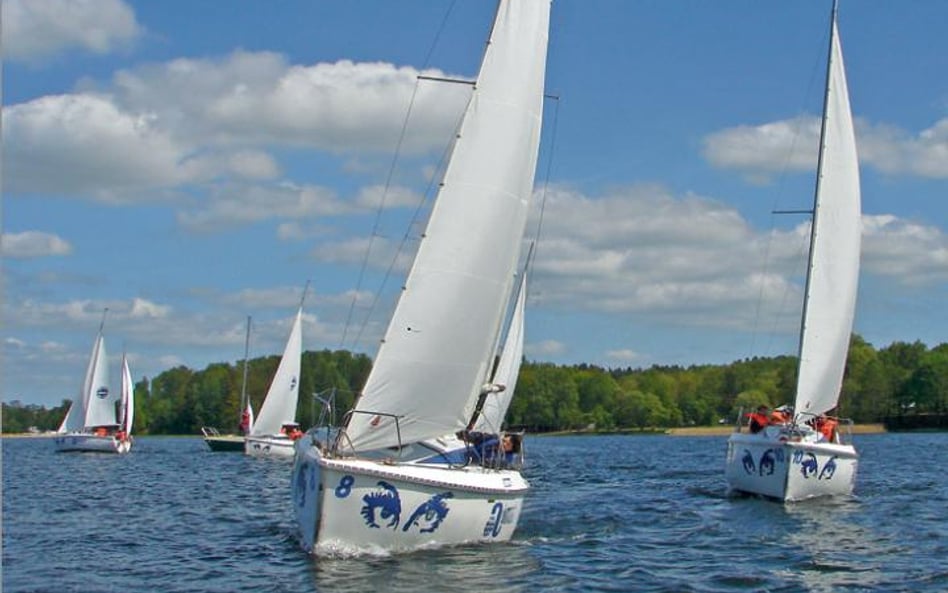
(826, 426)
(481, 446)
(292, 430)
(244, 426)
(781, 415)
(759, 419)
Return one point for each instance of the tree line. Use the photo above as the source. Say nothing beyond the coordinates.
(900, 379)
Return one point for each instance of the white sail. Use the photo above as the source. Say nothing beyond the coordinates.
(832, 278)
(127, 408)
(436, 352)
(279, 406)
(73, 420)
(495, 407)
(98, 396)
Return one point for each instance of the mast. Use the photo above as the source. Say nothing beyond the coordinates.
(832, 276)
(816, 192)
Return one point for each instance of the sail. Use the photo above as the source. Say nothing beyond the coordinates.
(833, 275)
(508, 368)
(98, 398)
(279, 406)
(436, 352)
(127, 406)
(73, 420)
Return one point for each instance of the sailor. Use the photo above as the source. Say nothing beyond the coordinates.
(759, 419)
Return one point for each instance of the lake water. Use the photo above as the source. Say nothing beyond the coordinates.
(606, 513)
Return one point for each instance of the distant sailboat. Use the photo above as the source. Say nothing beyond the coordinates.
(387, 480)
(234, 442)
(90, 424)
(804, 457)
(275, 430)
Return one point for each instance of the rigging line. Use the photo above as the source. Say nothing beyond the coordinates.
(378, 218)
(546, 183)
(442, 166)
(388, 181)
(783, 172)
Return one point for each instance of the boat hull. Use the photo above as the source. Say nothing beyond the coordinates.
(88, 443)
(225, 443)
(278, 446)
(771, 464)
(352, 506)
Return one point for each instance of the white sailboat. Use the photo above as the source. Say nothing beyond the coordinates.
(90, 424)
(805, 456)
(382, 483)
(275, 430)
(234, 442)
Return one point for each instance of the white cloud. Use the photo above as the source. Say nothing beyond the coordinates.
(37, 29)
(691, 261)
(910, 252)
(791, 145)
(252, 98)
(624, 355)
(545, 348)
(33, 244)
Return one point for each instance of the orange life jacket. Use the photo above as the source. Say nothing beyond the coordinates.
(757, 421)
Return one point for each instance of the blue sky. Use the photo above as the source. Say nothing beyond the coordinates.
(189, 163)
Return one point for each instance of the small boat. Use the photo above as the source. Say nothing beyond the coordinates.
(91, 424)
(406, 469)
(234, 442)
(275, 430)
(803, 454)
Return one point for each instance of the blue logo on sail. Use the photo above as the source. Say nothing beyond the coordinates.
(102, 392)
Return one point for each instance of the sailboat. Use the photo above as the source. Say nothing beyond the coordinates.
(805, 456)
(234, 442)
(383, 482)
(90, 424)
(275, 431)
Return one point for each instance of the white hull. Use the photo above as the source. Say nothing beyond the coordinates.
(772, 464)
(351, 506)
(91, 444)
(279, 446)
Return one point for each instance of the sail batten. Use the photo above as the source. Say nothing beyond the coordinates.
(832, 281)
(438, 347)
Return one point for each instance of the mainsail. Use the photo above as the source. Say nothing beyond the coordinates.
(437, 350)
(279, 406)
(832, 278)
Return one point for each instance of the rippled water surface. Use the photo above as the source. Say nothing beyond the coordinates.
(607, 513)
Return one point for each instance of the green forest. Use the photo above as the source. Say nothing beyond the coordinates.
(900, 379)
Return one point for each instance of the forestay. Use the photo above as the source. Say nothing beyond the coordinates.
(830, 298)
(437, 350)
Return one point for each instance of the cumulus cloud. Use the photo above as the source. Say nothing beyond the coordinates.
(545, 348)
(691, 261)
(33, 244)
(791, 145)
(37, 29)
(913, 253)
